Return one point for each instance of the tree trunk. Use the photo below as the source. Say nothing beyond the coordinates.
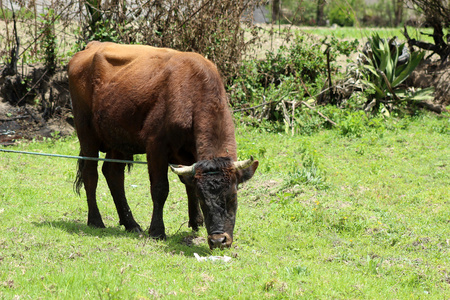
(320, 20)
(275, 10)
(398, 11)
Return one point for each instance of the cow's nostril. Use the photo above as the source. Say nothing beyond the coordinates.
(217, 242)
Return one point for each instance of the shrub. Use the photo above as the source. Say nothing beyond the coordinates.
(211, 28)
(341, 16)
(291, 69)
(48, 40)
(276, 87)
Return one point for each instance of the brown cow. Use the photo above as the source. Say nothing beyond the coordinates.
(171, 105)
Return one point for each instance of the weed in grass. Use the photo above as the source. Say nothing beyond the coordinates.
(442, 127)
(297, 271)
(357, 123)
(374, 264)
(307, 174)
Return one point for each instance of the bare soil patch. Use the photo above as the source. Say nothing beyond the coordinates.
(23, 119)
(27, 122)
(436, 74)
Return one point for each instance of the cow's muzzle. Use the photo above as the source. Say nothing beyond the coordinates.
(219, 240)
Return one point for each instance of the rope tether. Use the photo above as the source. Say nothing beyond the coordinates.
(76, 157)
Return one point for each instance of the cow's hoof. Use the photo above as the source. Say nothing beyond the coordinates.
(132, 226)
(161, 236)
(135, 229)
(96, 224)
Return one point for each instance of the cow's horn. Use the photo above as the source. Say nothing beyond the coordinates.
(182, 170)
(243, 163)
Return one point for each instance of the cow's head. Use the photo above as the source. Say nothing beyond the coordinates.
(216, 182)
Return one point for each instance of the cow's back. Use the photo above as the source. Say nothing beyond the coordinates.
(99, 62)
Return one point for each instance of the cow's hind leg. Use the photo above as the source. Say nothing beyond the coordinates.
(87, 173)
(114, 174)
(195, 215)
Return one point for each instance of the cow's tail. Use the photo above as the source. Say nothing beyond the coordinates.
(79, 179)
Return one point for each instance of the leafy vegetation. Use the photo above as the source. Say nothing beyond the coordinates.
(382, 13)
(48, 41)
(280, 73)
(386, 66)
(341, 14)
(277, 83)
(374, 220)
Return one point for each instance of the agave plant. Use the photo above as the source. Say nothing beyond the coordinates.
(385, 66)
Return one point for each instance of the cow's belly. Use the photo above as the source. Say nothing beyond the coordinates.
(121, 134)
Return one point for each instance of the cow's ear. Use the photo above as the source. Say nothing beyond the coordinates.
(247, 173)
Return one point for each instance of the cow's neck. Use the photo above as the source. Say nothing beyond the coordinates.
(216, 139)
(207, 150)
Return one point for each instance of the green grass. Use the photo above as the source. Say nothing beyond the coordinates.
(372, 223)
(421, 34)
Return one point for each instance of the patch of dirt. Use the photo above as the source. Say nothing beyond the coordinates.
(193, 240)
(436, 74)
(34, 105)
(26, 122)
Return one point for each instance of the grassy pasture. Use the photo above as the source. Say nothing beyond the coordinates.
(371, 221)
(422, 34)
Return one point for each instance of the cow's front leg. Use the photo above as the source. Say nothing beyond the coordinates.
(159, 191)
(114, 174)
(159, 187)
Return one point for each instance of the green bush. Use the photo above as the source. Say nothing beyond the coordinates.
(341, 15)
(278, 83)
(297, 68)
(48, 43)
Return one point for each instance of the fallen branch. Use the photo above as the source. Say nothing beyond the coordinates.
(441, 49)
(255, 107)
(13, 118)
(320, 114)
(432, 107)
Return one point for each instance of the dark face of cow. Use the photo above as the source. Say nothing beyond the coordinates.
(216, 188)
(215, 182)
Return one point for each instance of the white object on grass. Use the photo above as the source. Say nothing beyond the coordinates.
(213, 258)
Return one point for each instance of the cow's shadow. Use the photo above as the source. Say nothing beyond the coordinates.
(181, 243)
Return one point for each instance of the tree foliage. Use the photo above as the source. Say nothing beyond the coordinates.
(437, 16)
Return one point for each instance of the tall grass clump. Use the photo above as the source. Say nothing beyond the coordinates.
(307, 172)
